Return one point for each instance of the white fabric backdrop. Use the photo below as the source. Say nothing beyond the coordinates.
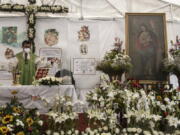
(20, 23)
(102, 33)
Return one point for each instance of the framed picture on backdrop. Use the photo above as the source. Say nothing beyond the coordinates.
(146, 44)
(84, 66)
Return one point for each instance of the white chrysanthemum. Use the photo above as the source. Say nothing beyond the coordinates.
(167, 100)
(62, 132)
(69, 132)
(136, 95)
(69, 103)
(48, 132)
(100, 129)
(10, 127)
(19, 123)
(37, 113)
(52, 114)
(155, 132)
(76, 132)
(131, 130)
(124, 130)
(173, 121)
(40, 122)
(139, 130)
(55, 133)
(88, 130)
(163, 107)
(111, 94)
(161, 133)
(94, 96)
(117, 131)
(105, 128)
(53, 79)
(105, 133)
(147, 133)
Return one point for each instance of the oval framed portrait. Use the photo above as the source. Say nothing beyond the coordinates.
(51, 37)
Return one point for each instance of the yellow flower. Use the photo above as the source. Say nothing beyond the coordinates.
(29, 121)
(159, 98)
(16, 109)
(14, 92)
(4, 130)
(7, 119)
(20, 133)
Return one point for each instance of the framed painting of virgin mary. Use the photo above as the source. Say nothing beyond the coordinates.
(146, 44)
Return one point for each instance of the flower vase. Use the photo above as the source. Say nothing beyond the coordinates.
(113, 77)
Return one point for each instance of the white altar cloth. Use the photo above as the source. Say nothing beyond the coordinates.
(31, 95)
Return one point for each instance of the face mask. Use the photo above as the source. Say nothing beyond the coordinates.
(27, 50)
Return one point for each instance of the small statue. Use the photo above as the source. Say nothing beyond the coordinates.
(118, 44)
(16, 80)
(176, 45)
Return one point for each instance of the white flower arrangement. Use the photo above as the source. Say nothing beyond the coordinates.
(56, 8)
(18, 7)
(31, 18)
(6, 6)
(31, 9)
(140, 108)
(45, 8)
(62, 117)
(173, 121)
(115, 62)
(48, 81)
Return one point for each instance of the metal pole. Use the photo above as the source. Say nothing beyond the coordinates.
(81, 8)
(120, 12)
(171, 12)
(160, 7)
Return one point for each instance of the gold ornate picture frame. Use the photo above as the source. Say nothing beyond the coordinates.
(146, 44)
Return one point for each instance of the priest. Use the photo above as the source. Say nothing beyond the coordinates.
(26, 64)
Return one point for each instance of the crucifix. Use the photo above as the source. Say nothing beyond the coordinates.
(30, 11)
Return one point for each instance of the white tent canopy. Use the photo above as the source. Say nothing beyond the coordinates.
(99, 9)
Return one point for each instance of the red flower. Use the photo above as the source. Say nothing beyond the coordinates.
(30, 129)
(165, 114)
(135, 83)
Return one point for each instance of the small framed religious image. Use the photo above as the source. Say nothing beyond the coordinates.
(146, 44)
(84, 66)
(41, 72)
(83, 49)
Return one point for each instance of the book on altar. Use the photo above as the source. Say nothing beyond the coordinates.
(41, 73)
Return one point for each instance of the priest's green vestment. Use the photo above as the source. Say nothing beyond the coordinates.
(27, 69)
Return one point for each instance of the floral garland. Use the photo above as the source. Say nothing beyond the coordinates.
(31, 11)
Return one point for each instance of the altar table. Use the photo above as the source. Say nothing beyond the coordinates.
(32, 96)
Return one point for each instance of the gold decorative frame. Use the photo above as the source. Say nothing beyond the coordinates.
(156, 22)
